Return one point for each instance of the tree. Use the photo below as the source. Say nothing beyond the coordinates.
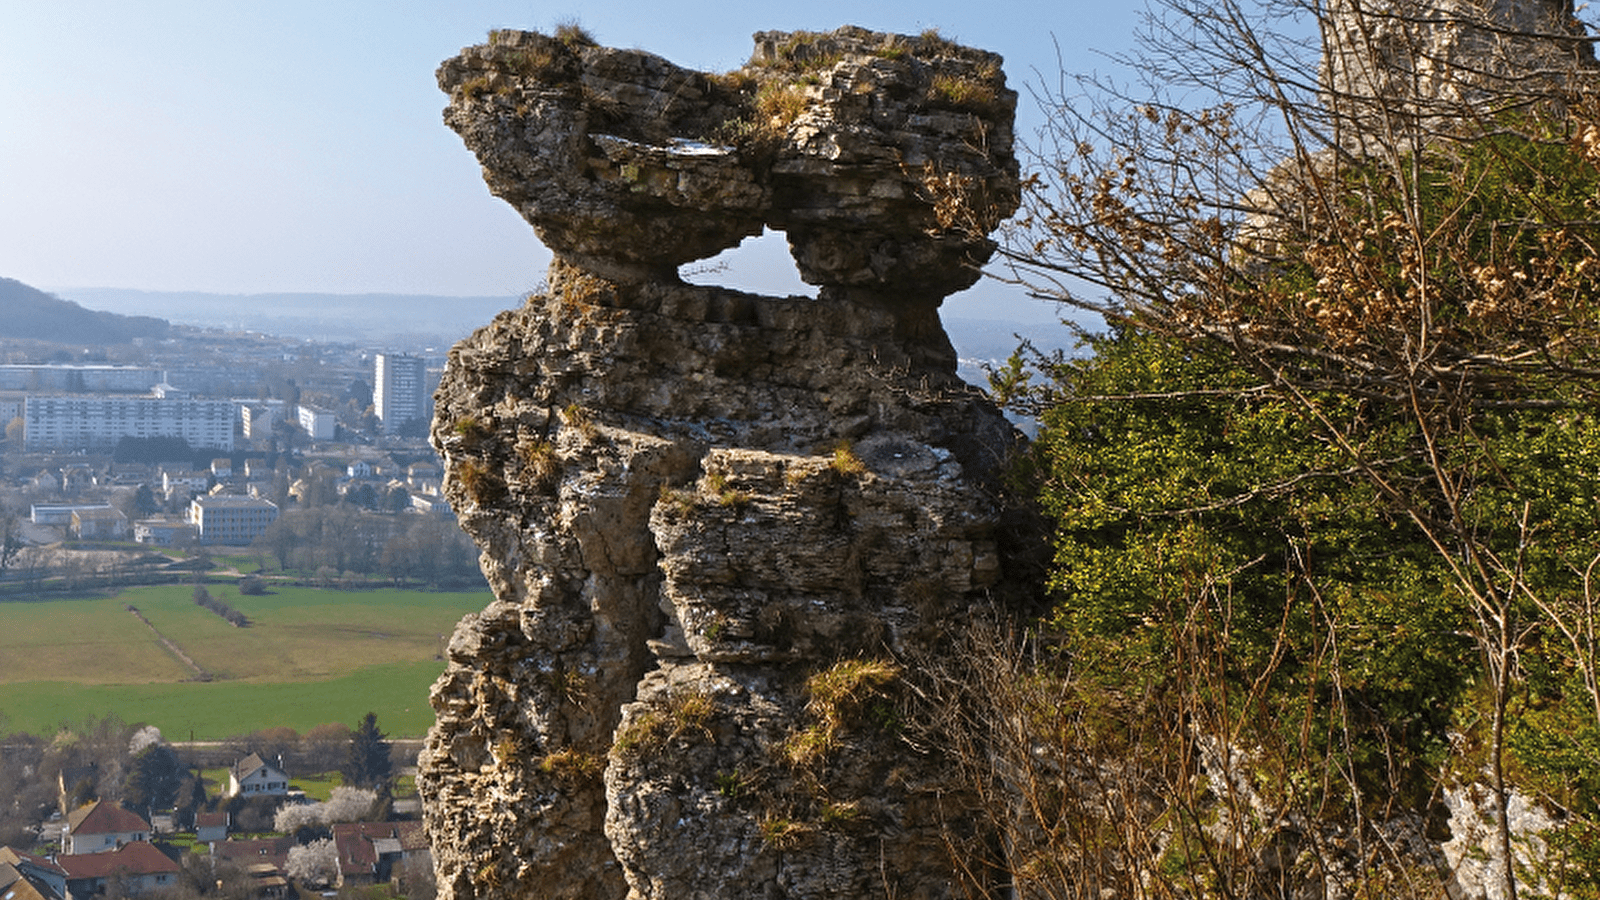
(315, 864)
(11, 538)
(155, 774)
(368, 764)
(1324, 496)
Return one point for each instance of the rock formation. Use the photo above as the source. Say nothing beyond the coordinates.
(715, 522)
(1432, 63)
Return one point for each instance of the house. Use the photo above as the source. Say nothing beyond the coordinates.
(27, 877)
(371, 852)
(75, 786)
(265, 861)
(162, 532)
(102, 826)
(254, 777)
(135, 868)
(99, 524)
(209, 827)
(222, 467)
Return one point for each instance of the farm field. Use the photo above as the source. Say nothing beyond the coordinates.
(309, 656)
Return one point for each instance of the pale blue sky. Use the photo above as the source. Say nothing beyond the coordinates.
(296, 145)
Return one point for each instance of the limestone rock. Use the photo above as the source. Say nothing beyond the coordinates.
(694, 503)
(885, 158)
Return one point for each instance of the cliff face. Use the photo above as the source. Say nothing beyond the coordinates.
(713, 521)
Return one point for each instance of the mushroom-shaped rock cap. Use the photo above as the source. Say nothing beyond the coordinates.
(886, 158)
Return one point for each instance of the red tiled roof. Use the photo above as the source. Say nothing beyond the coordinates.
(211, 820)
(16, 886)
(135, 858)
(245, 853)
(101, 817)
(8, 855)
(353, 840)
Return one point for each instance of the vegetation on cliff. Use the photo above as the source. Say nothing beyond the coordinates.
(1325, 493)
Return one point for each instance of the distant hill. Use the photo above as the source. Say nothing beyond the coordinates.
(398, 320)
(28, 313)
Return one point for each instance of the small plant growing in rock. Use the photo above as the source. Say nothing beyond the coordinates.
(716, 628)
(476, 87)
(507, 750)
(574, 35)
(572, 765)
(806, 747)
(782, 832)
(716, 484)
(578, 418)
(842, 693)
(778, 105)
(729, 784)
(682, 714)
(645, 731)
(691, 712)
(470, 430)
(841, 814)
(846, 462)
(481, 485)
(568, 685)
(964, 91)
(542, 463)
(678, 499)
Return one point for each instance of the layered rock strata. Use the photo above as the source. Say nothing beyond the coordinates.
(715, 523)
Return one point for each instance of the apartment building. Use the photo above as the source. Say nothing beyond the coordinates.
(231, 520)
(83, 422)
(399, 390)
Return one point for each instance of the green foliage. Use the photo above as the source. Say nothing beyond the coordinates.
(1196, 512)
(368, 764)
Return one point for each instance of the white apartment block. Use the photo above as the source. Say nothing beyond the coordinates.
(79, 422)
(70, 379)
(235, 521)
(398, 390)
(319, 423)
(258, 418)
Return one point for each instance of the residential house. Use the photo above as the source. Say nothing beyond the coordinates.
(75, 479)
(254, 777)
(209, 827)
(424, 477)
(75, 786)
(184, 483)
(24, 876)
(102, 826)
(372, 852)
(222, 468)
(265, 861)
(134, 868)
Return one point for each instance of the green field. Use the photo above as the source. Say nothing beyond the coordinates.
(309, 656)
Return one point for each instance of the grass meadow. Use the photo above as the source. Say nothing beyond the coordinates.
(309, 656)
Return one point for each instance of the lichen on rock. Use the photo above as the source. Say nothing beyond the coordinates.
(693, 502)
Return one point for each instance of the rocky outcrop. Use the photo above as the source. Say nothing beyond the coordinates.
(1436, 64)
(715, 522)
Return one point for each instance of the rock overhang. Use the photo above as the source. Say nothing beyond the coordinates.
(886, 159)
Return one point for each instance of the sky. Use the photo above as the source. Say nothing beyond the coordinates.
(297, 146)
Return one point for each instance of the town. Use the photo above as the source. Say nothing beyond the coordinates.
(204, 438)
(112, 810)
